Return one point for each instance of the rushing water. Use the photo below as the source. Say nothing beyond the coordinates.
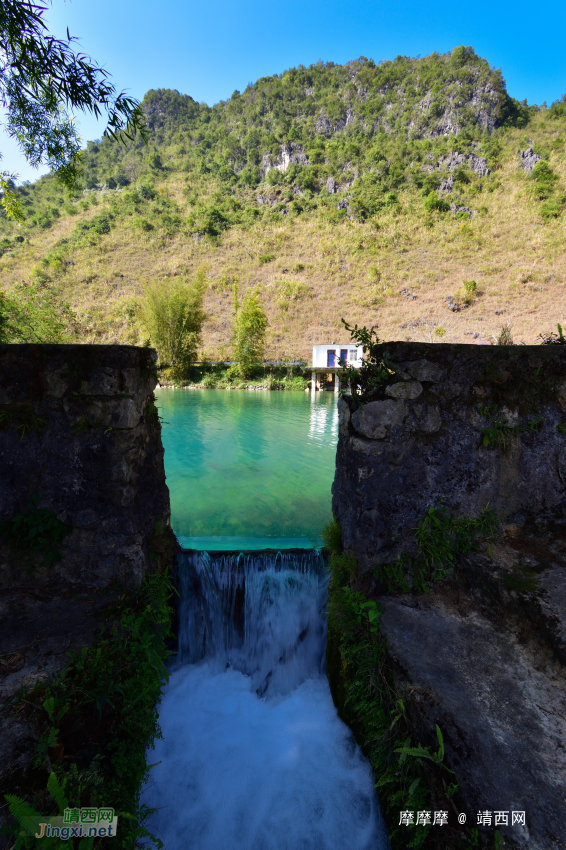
(253, 754)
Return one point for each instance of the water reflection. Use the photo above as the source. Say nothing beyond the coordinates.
(323, 424)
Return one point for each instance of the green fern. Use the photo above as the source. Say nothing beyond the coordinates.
(28, 820)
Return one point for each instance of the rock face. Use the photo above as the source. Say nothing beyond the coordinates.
(460, 160)
(529, 159)
(455, 208)
(292, 153)
(484, 654)
(470, 664)
(80, 430)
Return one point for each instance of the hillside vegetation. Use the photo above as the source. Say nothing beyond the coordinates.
(390, 194)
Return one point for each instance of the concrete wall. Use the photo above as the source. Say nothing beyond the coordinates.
(79, 429)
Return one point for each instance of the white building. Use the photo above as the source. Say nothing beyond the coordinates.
(327, 360)
(327, 356)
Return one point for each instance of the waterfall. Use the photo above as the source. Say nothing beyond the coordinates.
(254, 755)
(261, 614)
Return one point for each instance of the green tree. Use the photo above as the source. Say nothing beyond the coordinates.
(250, 324)
(173, 315)
(41, 79)
(32, 312)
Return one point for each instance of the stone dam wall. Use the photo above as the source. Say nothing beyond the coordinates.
(80, 433)
(424, 442)
(81, 463)
(483, 653)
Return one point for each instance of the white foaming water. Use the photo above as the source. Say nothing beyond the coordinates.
(253, 755)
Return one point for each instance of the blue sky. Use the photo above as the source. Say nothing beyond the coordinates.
(208, 49)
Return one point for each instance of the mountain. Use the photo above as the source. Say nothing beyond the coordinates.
(414, 194)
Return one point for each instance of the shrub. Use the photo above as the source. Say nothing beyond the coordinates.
(552, 338)
(250, 177)
(293, 290)
(543, 180)
(40, 277)
(460, 175)
(99, 224)
(505, 337)
(154, 161)
(374, 273)
(210, 221)
(143, 224)
(435, 203)
(427, 184)
(266, 258)
(146, 191)
(209, 380)
(558, 108)
(552, 208)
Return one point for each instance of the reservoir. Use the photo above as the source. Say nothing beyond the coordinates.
(249, 469)
(253, 754)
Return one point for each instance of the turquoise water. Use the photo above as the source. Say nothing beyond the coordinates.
(248, 470)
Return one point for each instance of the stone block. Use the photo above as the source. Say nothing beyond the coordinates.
(407, 389)
(424, 370)
(376, 419)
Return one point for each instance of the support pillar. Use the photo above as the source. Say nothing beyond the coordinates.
(313, 382)
(336, 382)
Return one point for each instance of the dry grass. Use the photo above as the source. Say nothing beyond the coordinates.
(351, 270)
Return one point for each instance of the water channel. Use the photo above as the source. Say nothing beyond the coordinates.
(253, 754)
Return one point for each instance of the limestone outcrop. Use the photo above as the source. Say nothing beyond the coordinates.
(529, 159)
